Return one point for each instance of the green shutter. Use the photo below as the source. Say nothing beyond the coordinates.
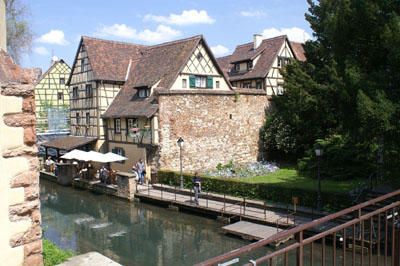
(192, 81)
(209, 82)
(114, 150)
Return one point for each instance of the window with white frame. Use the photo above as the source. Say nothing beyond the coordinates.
(201, 81)
(280, 89)
(143, 92)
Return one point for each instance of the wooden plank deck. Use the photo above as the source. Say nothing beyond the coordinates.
(251, 213)
(251, 231)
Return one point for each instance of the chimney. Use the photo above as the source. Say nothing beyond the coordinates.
(257, 39)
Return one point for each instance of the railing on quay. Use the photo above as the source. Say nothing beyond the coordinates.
(230, 207)
(370, 236)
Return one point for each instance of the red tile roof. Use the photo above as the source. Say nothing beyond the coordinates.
(298, 51)
(11, 72)
(268, 50)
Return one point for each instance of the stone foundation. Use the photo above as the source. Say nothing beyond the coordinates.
(216, 128)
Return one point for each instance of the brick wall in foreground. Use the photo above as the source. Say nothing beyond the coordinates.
(20, 231)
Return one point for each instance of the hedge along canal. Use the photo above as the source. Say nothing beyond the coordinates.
(261, 191)
(131, 233)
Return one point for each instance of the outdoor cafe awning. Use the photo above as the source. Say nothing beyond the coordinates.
(93, 156)
(68, 143)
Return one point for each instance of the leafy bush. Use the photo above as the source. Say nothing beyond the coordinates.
(53, 255)
(340, 160)
(262, 191)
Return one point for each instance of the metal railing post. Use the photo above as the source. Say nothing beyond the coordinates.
(161, 190)
(244, 206)
(148, 189)
(265, 211)
(207, 200)
(175, 192)
(224, 201)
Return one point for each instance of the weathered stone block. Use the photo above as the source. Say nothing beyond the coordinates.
(33, 248)
(34, 260)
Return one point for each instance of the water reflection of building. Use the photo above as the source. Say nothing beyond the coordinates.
(131, 233)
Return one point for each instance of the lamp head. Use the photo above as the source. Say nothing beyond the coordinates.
(318, 150)
(180, 142)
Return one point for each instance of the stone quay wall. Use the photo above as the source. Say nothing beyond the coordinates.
(20, 230)
(216, 128)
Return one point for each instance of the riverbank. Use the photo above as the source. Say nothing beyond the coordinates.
(53, 255)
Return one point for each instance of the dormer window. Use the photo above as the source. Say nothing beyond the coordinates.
(283, 61)
(237, 67)
(250, 65)
(143, 92)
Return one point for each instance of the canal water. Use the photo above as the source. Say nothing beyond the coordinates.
(130, 233)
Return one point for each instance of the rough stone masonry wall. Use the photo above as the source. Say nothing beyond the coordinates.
(216, 128)
(20, 231)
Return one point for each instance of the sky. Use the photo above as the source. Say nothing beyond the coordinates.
(59, 25)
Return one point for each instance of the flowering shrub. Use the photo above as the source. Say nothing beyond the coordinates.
(250, 170)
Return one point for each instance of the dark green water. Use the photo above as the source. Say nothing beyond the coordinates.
(129, 233)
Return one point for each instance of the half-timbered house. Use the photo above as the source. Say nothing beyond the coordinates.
(98, 72)
(256, 65)
(138, 100)
(52, 99)
(132, 120)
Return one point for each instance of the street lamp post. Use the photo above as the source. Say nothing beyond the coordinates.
(318, 154)
(180, 145)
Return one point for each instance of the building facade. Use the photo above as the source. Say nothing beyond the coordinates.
(98, 72)
(139, 100)
(257, 65)
(52, 99)
(177, 90)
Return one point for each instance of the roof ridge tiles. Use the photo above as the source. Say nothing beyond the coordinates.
(113, 41)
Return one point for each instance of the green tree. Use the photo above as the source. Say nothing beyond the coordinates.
(348, 87)
(19, 31)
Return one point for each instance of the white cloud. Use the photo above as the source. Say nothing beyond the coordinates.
(295, 34)
(41, 50)
(219, 50)
(53, 37)
(187, 17)
(161, 34)
(252, 13)
(117, 30)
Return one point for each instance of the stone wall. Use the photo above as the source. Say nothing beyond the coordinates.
(216, 126)
(20, 231)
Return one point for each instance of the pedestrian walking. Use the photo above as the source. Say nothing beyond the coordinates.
(140, 168)
(196, 187)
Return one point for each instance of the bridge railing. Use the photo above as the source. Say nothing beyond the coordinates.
(365, 234)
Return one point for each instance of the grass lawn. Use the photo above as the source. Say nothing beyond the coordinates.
(288, 178)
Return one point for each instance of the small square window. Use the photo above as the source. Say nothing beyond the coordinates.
(144, 93)
(237, 67)
(62, 81)
(60, 96)
(83, 65)
(250, 65)
(217, 84)
(117, 125)
(200, 56)
(89, 91)
(184, 83)
(75, 92)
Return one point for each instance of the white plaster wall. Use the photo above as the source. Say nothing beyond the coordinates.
(11, 167)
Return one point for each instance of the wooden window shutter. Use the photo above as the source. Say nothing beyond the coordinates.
(209, 82)
(192, 81)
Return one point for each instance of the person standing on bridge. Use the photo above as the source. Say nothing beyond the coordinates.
(196, 187)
